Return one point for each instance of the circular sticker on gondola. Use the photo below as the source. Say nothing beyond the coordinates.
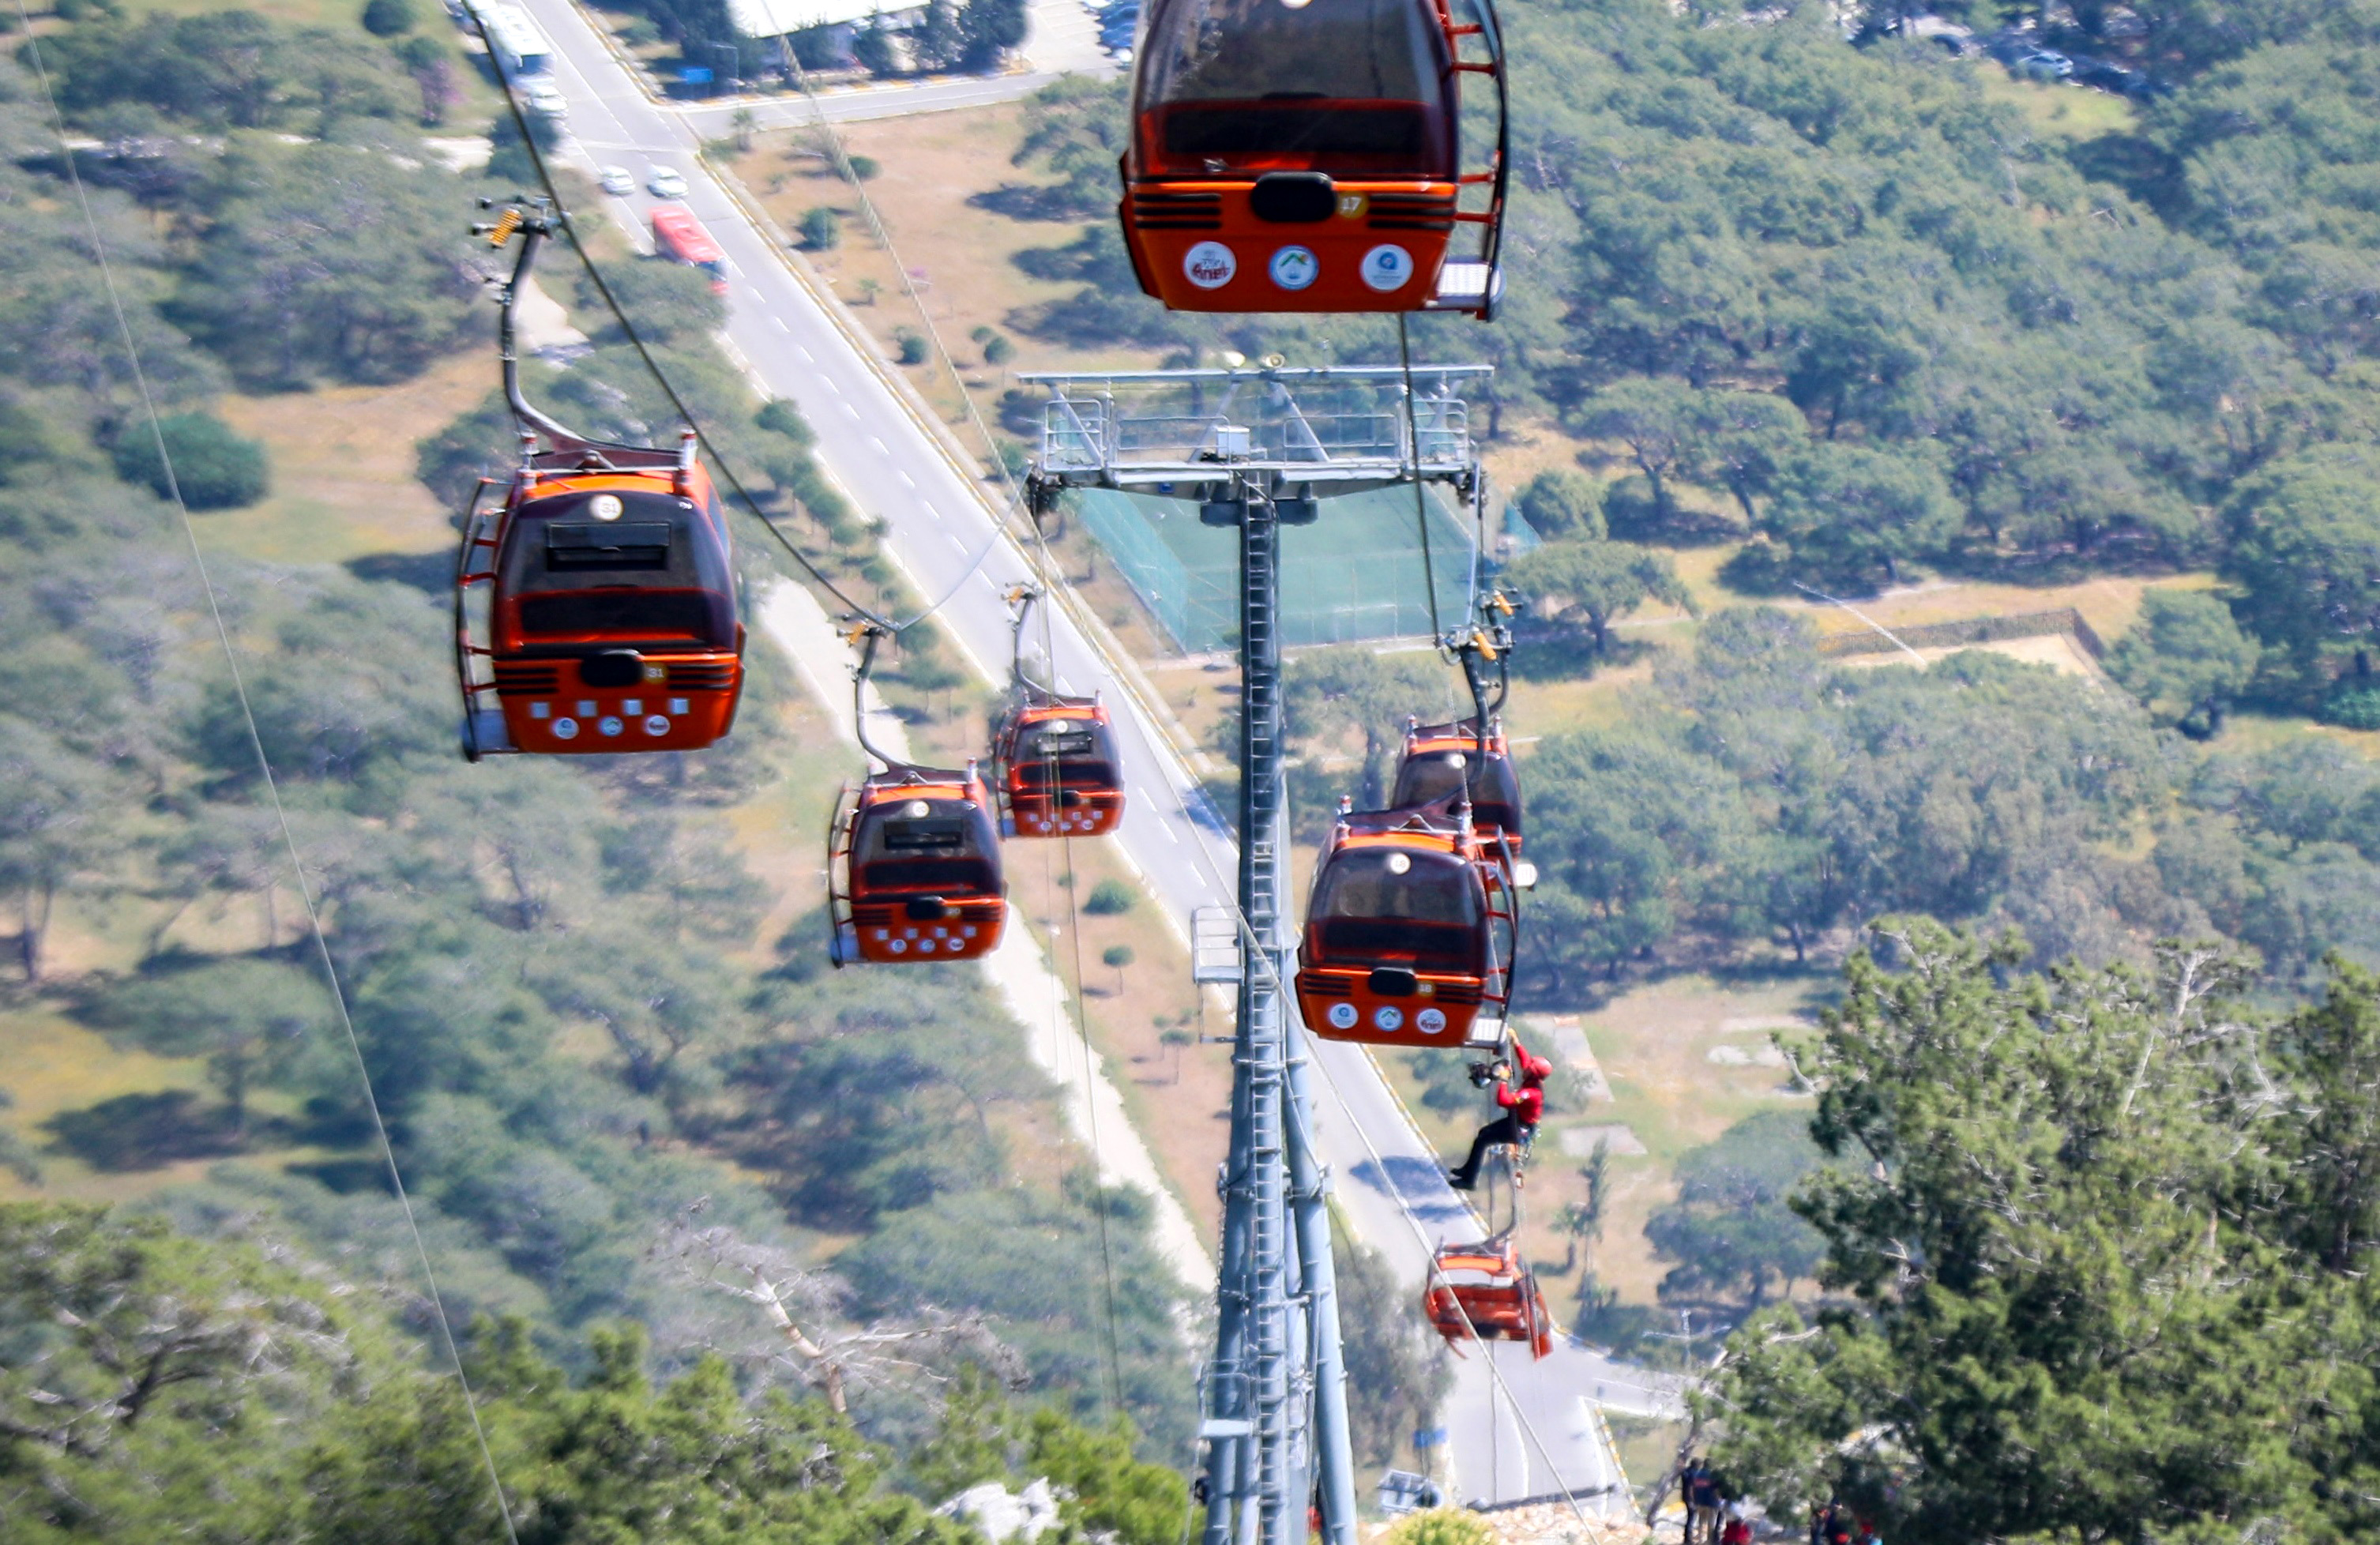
(1387, 1016)
(610, 725)
(565, 729)
(1342, 1017)
(1294, 268)
(655, 724)
(1387, 267)
(1429, 1021)
(1210, 265)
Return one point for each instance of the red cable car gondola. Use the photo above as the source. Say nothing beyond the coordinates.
(1482, 1292)
(912, 861)
(1053, 757)
(1289, 156)
(1410, 932)
(1438, 759)
(598, 591)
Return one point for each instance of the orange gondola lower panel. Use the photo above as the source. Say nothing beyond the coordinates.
(1410, 932)
(1295, 157)
(1055, 765)
(913, 871)
(594, 601)
(1483, 1293)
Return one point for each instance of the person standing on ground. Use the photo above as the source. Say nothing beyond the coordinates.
(1523, 1107)
(1699, 1487)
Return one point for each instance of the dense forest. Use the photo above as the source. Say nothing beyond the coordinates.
(585, 1050)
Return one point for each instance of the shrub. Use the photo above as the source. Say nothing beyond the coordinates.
(863, 167)
(1108, 898)
(820, 230)
(216, 468)
(388, 18)
(1442, 1526)
(997, 350)
(2354, 707)
(911, 345)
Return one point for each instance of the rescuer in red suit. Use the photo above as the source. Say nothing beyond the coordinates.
(1523, 1106)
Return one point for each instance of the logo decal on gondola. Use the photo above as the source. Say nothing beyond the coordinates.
(1210, 265)
(1294, 268)
(1429, 1021)
(1387, 1016)
(1342, 1017)
(1388, 267)
(656, 726)
(565, 729)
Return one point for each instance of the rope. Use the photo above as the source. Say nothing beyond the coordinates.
(661, 377)
(272, 788)
(1091, 1108)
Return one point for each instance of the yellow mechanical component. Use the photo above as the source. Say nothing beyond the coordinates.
(501, 231)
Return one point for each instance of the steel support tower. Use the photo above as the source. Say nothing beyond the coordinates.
(1256, 450)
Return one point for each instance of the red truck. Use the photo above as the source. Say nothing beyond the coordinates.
(678, 236)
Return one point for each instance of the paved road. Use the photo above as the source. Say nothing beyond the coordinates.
(941, 520)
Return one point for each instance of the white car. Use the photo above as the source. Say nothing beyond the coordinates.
(540, 96)
(617, 181)
(665, 182)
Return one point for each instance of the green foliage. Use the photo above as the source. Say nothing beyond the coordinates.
(388, 18)
(872, 45)
(2307, 553)
(1562, 504)
(911, 346)
(997, 350)
(1601, 582)
(1075, 127)
(224, 70)
(509, 161)
(1397, 1379)
(213, 467)
(821, 230)
(1109, 898)
(324, 262)
(2065, 1197)
(1729, 1226)
(669, 302)
(863, 168)
(250, 1019)
(778, 416)
(1441, 1526)
(2186, 660)
(988, 30)
(1334, 696)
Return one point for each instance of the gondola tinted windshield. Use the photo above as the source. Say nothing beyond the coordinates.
(1338, 85)
(1494, 790)
(926, 845)
(618, 565)
(1083, 750)
(1378, 902)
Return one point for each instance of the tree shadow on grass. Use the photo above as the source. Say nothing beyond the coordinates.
(432, 572)
(144, 1131)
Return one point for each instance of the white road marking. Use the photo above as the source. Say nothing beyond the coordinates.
(881, 448)
(906, 479)
(781, 324)
(805, 354)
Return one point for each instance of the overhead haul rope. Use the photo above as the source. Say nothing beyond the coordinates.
(272, 787)
(661, 377)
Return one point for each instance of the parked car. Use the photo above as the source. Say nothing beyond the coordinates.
(2045, 65)
(618, 181)
(665, 182)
